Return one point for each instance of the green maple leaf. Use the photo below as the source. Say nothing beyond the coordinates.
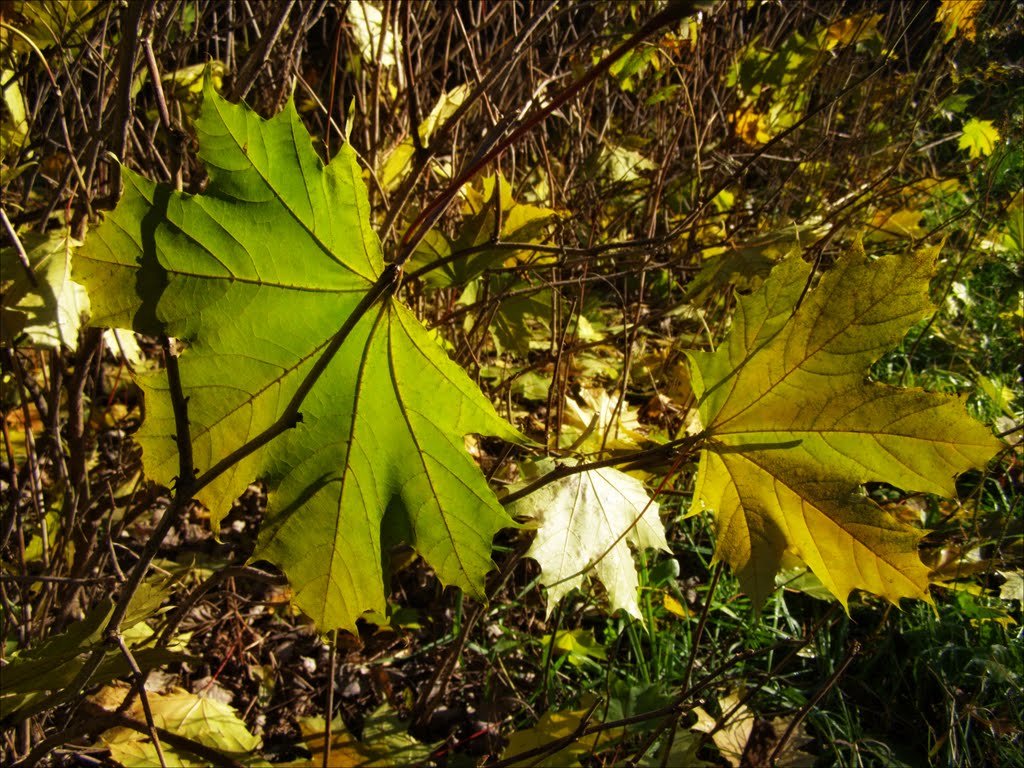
(794, 429)
(256, 276)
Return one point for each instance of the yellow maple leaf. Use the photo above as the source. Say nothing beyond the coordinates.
(601, 423)
(889, 224)
(794, 430)
(959, 17)
(553, 726)
(979, 138)
(852, 29)
(205, 720)
(751, 126)
(385, 742)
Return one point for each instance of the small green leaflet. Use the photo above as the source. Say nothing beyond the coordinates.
(579, 645)
(794, 429)
(256, 276)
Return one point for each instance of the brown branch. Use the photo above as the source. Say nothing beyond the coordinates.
(252, 66)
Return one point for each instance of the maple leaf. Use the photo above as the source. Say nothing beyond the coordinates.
(889, 224)
(257, 275)
(204, 720)
(979, 138)
(483, 209)
(553, 726)
(50, 311)
(751, 126)
(578, 644)
(745, 739)
(959, 17)
(385, 742)
(603, 422)
(394, 166)
(794, 430)
(587, 522)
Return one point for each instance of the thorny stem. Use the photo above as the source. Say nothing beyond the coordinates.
(250, 70)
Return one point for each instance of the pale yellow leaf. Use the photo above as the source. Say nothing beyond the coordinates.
(600, 420)
(366, 23)
(746, 739)
(207, 721)
(587, 523)
(732, 737)
(50, 312)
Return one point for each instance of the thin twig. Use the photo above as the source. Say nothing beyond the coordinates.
(250, 70)
(695, 640)
(432, 212)
(18, 247)
(329, 710)
(215, 579)
(140, 689)
(435, 687)
(813, 702)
